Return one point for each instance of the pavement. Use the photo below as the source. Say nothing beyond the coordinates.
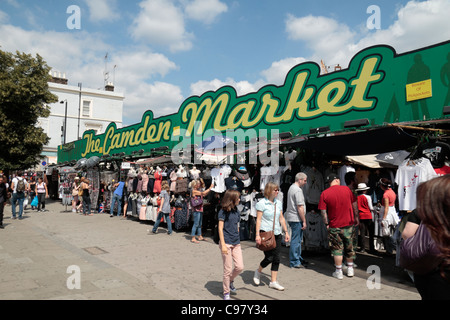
(61, 255)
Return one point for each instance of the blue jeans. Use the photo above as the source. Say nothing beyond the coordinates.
(158, 221)
(115, 198)
(17, 197)
(198, 221)
(295, 249)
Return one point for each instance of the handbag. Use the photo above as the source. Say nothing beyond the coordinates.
(419, 253)
(268, 241)
(196, 201)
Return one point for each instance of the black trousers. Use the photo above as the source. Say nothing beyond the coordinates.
(273, 256)
(366, 225)
(2, 206)
(41, 201)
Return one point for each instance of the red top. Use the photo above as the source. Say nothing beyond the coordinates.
(363, 207)
(337, 201)
(390, 194)
(442, 171)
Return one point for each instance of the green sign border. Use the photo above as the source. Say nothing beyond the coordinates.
(372, 88)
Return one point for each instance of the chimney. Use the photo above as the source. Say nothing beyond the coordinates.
(58, 78)
(109, 87)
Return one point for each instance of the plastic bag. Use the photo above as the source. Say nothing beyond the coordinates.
(35, 202)
(385, 230)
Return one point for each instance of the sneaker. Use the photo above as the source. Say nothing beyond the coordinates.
(350, 272)
(226, 296)
(338, 275)
(232, 287)
(256, 277)
(276, 285)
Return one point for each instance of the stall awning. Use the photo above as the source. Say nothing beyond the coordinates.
(351, 143)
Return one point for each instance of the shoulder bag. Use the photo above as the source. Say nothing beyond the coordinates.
(268, 241)
(420, 253)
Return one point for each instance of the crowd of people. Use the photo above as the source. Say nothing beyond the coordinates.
(19, 192)
(346, 210)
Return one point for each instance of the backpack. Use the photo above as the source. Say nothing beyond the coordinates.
(20, 185)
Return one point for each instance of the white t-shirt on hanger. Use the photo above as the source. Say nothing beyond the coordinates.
(409, 175)
(218, 176)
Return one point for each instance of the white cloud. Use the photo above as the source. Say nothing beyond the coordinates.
(277, 72)
(160, 97)
(81, 57)
(325, 36)
(242, 87)
(204, 10)
(160, 22)
(3, 17)
(418, 24)
(101, 10)
(65, 52)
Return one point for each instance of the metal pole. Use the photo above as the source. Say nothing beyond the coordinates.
(79, 110)
(65, 124)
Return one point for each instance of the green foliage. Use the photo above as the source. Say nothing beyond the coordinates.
(24, 98)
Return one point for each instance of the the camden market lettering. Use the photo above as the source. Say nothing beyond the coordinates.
(117, 139)
(335, 97)
(373, 87)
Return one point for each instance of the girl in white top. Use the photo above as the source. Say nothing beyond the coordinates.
(42, 193)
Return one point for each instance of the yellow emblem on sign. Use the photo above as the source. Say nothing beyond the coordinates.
(418, 90)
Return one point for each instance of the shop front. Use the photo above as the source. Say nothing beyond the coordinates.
(382, 103)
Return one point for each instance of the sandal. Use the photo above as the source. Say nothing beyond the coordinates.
(195, 241)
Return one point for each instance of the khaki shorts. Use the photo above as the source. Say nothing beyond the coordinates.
(341, 241)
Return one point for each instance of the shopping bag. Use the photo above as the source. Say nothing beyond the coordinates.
(35, 201)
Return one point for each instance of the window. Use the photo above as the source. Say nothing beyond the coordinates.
(87, 109)
(94, 126)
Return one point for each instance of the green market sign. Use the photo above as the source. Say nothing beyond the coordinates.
(379, 86)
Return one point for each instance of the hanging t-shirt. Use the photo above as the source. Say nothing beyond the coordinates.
(289, 157)
(409, 175)
(270, 174)
(218, 176)
(314, 185)
(343, 171)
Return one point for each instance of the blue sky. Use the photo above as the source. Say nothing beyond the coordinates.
(167, 50)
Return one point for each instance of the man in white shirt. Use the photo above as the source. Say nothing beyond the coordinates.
(18, 185)
(295, 216)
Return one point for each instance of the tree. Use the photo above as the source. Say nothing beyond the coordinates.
(24, 98)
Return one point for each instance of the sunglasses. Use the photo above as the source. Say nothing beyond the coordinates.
(276, 190)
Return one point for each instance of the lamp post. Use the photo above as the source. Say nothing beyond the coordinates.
(65, 120)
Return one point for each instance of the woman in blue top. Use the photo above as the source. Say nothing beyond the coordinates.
(230, 246)
(268, 209)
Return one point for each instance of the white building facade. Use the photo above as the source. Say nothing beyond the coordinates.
(87, 109)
